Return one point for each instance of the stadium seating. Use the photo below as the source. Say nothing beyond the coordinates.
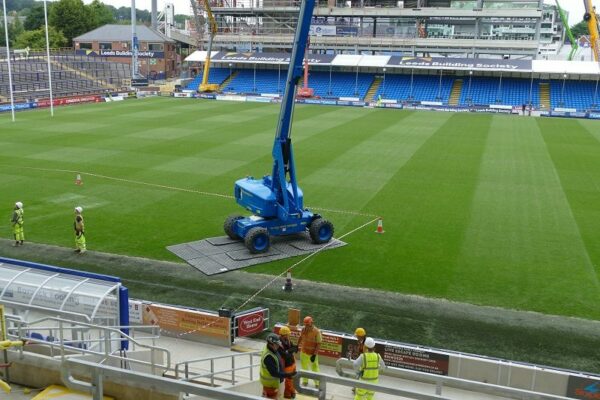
(71, 75)
(424, 87)
(267, 81)
(576, 94)
(510, 91)
(343, 84)
(216, 76)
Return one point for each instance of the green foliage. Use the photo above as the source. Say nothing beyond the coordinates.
(100, 14)
(35, 16)
(580, 29)
(37, 39)
(18, 5)
(71, 17)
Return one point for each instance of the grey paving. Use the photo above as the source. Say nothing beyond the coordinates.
(221, 254)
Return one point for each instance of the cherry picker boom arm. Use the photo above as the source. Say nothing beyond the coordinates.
(283, 155)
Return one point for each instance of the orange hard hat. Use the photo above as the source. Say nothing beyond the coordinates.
(284, 331)
(308, 320)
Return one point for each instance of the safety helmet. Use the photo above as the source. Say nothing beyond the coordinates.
(79, 209)
(370, 342)
(308, 320)
(273, 339)
(360, 332)
(284, 331)
(18, 204)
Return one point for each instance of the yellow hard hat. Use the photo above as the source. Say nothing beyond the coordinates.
(284, 331)
(360, 332)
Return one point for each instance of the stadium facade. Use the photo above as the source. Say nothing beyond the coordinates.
(157, 53)
(454, 28)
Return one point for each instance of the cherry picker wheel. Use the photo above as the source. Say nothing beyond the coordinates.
(320, 230)
(228, 226)
(257, 240)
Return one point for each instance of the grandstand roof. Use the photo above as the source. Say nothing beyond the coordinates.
(431, 63)
(114, 32)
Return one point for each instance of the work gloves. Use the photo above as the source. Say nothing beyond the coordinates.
(313, 358)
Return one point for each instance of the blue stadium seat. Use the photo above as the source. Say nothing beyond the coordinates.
(423, 88)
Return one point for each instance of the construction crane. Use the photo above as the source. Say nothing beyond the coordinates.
(212, 31)
(592, 21)
(563, 18)
(276, 201)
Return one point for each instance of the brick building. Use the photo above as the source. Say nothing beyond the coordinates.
(157, 54)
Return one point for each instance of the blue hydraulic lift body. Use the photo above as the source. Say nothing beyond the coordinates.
(276, 201)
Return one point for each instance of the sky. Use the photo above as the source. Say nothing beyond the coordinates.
(574, 7)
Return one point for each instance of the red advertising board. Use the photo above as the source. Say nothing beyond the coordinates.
(70, 100)
(250, 324)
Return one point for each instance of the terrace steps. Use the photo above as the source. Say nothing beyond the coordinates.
(373, 89)
(226, 81)
(545, 95)
(455, 92)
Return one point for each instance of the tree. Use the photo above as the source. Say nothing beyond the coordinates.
(35, 17)
(100, 14)
(580, 29)
(37, 39)
(71, 17)
(15, 28)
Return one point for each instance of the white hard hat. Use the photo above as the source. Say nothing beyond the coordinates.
(370, 342)
(18, 204)
(79, 209)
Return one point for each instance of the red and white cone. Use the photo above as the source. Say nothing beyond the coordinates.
(380, 226)
(78, 180)
(288, 287)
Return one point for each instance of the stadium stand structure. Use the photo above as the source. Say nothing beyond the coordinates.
(474, 90)
(71, 75)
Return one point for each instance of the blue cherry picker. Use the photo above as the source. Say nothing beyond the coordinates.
(276, 201)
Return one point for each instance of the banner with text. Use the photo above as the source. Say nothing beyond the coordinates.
(461, 63)
(120, 53)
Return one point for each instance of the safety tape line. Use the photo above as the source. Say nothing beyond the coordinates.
(157, 185)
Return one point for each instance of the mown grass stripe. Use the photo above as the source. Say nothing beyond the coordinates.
(522, 232)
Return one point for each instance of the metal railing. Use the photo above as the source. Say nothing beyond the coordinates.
(64, 337)
(186, 370)
(439, 382)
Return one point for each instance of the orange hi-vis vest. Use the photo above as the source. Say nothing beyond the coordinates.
(309, 340)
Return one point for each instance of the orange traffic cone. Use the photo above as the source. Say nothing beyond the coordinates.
(78, 180)
(288, 287)
(380, 226)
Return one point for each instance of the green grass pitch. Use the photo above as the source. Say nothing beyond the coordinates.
(486, 209)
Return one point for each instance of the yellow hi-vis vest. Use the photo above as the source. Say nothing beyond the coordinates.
(265, 377)
(370, 367)
(19, 215)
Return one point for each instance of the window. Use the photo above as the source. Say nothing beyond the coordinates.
(105, 46)
(155, 46)
(85, 46)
